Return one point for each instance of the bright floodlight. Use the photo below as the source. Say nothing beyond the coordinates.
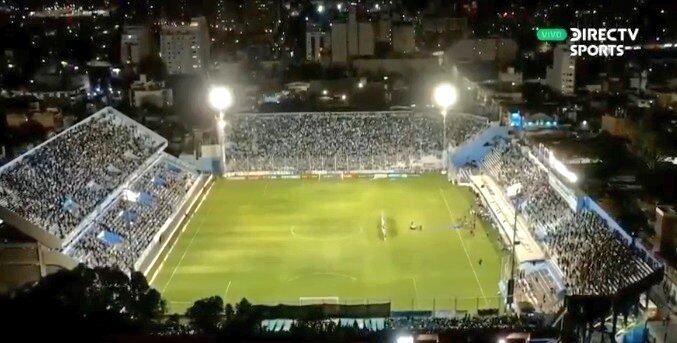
(445, 95)
(220, 98)
(405, 339)
(320, 8)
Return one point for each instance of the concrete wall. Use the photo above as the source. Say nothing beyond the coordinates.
(19, 265)
(29, 228)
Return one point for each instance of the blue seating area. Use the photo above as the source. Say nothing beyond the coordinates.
(135, 217)
(110, 238)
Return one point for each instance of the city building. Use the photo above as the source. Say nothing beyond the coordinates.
(403, 38)
(383, 29)
(143, 92)
(665, 228)
(561, 76)
(135, 43)
(351, 38)
(339, 43)
(185, 48)
(317, 42)
(493, 49)
(366, 39)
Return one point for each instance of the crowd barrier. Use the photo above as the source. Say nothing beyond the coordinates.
(440, 305)
(322, 311)
(321, 175)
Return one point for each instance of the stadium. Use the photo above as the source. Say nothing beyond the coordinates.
(411, 212)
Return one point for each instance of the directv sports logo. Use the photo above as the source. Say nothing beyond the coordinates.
(597, 35)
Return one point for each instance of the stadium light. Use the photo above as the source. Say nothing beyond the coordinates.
(445, 95)
(221, 98)
(405, 339)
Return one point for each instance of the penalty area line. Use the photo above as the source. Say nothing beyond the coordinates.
(464, 249)
(225, 295)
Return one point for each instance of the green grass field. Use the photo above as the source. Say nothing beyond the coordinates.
(277, 241)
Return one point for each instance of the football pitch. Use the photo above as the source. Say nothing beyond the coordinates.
(298, 241)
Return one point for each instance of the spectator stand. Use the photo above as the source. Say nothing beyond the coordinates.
(124, 198)
(48, 178)
(335, 143)
(137, 217)
(592, 257)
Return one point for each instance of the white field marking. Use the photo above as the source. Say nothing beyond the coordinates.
(464, 249)
(265, 189)
(413, 278)
(185, 225)
(187, 248)
(319, 274)
(225, 296)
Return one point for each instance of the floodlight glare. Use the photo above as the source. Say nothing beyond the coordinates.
(220, 98)
(445, 95)
(405, 339)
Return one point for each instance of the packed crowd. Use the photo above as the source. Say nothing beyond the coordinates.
(466, 323)
(136, 217)
(61, 182)
(341, 141)
(593, 259)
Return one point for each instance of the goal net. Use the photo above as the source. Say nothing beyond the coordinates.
(318, 300)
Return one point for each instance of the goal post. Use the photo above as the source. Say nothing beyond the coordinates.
(384, 227)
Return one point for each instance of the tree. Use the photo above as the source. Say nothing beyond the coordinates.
(205, 314)
(84, 302)
(652, 143)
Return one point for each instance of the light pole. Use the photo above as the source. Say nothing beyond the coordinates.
(221, 98)
(445, 96)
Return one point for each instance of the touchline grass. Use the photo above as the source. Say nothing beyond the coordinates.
(282, 241)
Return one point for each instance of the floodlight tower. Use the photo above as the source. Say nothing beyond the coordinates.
(445, 96)
(221, 98)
